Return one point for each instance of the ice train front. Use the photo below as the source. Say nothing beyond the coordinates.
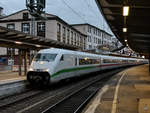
(41, 68)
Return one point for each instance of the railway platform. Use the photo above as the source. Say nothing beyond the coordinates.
(126, 92)
(8, 76)
(11, 83)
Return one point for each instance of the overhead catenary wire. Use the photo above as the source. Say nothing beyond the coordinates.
(91, 9)
(81, 17)
(75, 12)
(103, 20)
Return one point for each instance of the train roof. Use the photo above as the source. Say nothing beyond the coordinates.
(64, 51)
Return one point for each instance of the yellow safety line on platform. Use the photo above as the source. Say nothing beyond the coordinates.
(97, 100)
(114, 104)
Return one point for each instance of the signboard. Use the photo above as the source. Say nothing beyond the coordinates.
(10, 62)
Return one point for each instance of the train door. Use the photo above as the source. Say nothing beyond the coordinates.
(67, 61)
(65, 65)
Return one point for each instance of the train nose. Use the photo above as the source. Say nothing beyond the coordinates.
(38, 79)
(42, 78)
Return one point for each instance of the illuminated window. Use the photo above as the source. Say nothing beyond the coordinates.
(41, 29)
(75, 40)
(89, 29)
(71, 37)
(68, 36)
(64, 34)
(11, 26)
(86, 61)
(58, 32)
(26, 28)
(25, 16)
(78, 40)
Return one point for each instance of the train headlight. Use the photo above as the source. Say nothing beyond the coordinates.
(31, 69)
(46, 70)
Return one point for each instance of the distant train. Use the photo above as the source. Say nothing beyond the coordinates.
(53, 65)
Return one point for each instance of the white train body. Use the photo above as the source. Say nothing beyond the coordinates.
(53, 65)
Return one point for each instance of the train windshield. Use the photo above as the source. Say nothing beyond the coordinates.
(45, 57)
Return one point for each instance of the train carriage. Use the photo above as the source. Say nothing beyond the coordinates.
(53, 65)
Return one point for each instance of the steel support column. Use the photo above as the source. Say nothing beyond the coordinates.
(149, 62)
(25, 61)
(20, 62)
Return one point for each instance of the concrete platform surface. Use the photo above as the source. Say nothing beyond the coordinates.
(126, 92)
(9, 77)
(11, 83)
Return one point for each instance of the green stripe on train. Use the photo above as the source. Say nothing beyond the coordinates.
(71, 69)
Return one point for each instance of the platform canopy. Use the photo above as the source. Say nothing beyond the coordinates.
(136, 25)
(16, 39)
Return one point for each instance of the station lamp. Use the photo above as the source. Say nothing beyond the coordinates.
(86, 58)
(124, 29)
(17, 42)
(125, 40)
(38, 45)
(143, 56)
(125, 10)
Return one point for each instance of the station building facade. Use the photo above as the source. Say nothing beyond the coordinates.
(95, 36)
(1, 12)
(85, 36)
(52, 27)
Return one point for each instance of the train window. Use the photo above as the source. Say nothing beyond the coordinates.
(45, 57)
(111, 60)
(116, 61)
(86, 61)
(95, 61)
(62, 58)
(76, 61)
(107, 61)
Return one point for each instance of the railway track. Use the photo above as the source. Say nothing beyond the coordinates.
(74, 102)
(9, 89)
(37, 101)
(9, 101)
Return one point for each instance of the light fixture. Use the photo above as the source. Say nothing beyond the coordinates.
(17, 42)
(143, 56)
(86, 58)
(38, 45)
(31, 69)
(125, 10)
(124, 29)
(125, 40)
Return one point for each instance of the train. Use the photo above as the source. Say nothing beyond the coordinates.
(53, 65)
